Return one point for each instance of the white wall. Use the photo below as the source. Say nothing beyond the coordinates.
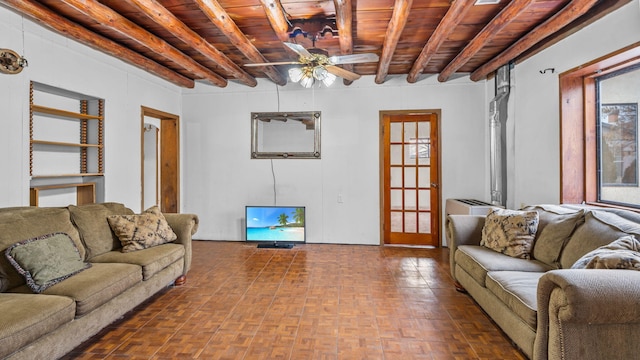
(536, 177)
(217, 125)
(64, 63)
(220, 178)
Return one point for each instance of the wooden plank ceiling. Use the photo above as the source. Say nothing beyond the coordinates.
(210, 40)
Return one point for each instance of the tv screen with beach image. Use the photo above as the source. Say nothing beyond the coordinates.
(275, 223)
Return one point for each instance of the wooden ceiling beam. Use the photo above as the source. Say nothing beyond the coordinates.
(61, 25)
(569, 13)
(108, 17)
(344, 21)
(508, 14)
(449, 22)
(221, 19)
(401, 11)
(598, 11)
(277, 19)
(165, 18)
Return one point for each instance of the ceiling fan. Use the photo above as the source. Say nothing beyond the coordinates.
(316, 64)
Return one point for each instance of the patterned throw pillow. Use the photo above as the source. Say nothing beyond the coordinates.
(46, 260)
(510, 232)
(137, 232)
(623, 253)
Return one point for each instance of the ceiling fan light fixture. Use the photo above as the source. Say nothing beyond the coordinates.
(320, 73)
(295, 74)
(329, 79)
(307, 81)
(308, 75)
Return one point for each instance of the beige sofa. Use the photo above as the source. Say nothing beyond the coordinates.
(49, 324)
(548, 309)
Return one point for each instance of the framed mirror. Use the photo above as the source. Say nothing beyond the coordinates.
(285, 135)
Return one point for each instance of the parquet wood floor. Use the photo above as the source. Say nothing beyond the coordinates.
(310, 302)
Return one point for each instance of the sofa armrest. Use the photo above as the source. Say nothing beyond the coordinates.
(184, 225)
(462, 230)
(588, 314)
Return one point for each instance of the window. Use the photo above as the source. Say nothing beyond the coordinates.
(617, 97)
(599, 130)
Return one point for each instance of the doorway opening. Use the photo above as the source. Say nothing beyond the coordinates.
(410, 177)
(160, 155)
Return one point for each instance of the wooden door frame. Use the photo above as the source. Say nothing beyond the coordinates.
(167, 166)
(438, 217)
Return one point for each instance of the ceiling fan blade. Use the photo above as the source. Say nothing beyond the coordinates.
(353, 59)
(299, 49)
(338, 71)
(274, 63)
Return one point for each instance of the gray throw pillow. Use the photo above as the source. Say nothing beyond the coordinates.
(46, 260)
(556, 226)
(620, 254)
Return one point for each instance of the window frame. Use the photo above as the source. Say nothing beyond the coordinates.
(578, 118)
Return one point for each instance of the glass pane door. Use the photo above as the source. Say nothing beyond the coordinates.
(409, 173)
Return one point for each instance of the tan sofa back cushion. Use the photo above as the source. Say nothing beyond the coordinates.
(94, 229)
(22, 223)
(554, 230)
(600, 228)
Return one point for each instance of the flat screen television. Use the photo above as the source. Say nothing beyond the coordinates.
(275, 226)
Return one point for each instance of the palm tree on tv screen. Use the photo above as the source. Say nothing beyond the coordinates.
(283, 219)
(298, 216)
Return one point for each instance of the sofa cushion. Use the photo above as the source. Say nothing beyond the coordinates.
(46, 260)
(518, 290)
(625, 214)
(623, 253)
(510, 232)
(600, 228)
(20, 223)
(25, 318)
(137, 232)
(478, 260)
(555, 226)
(95, 232)
(152, 260)
(97, 285)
